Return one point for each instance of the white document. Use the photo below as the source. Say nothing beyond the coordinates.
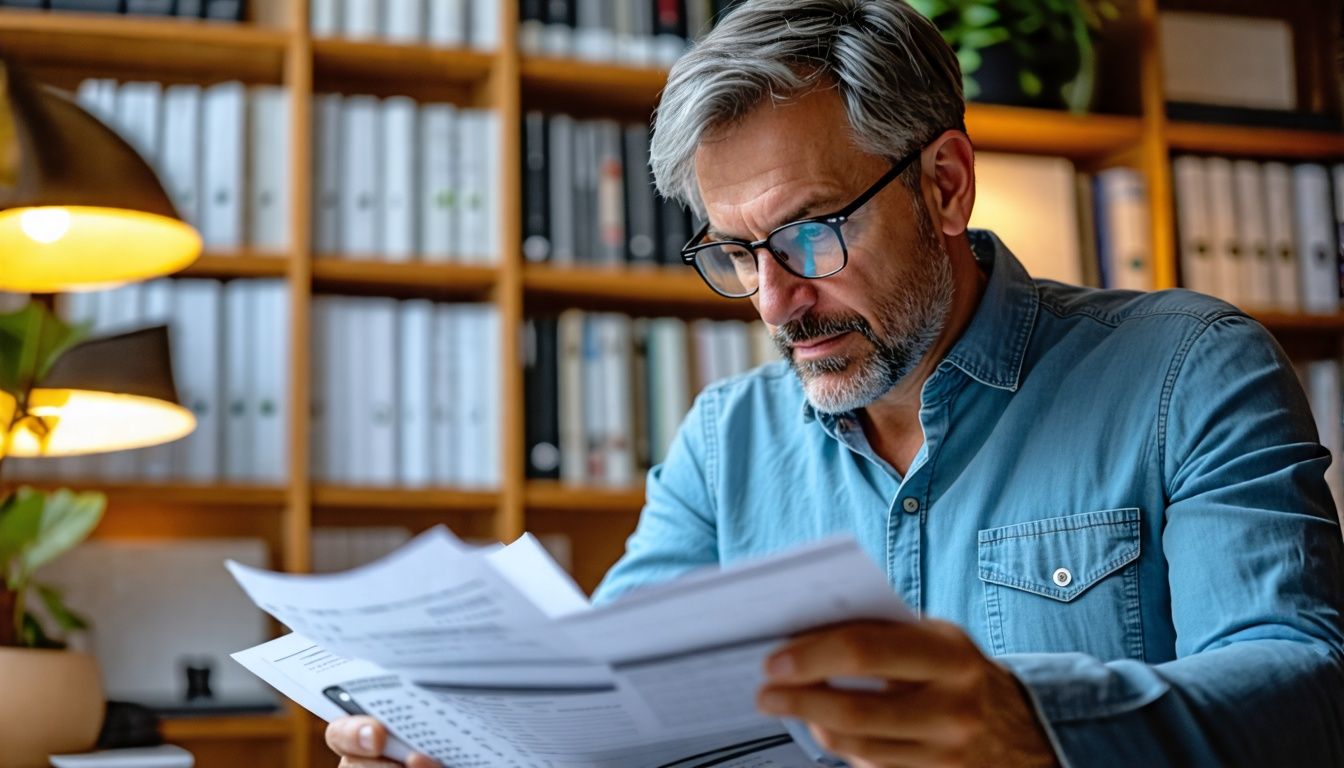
(165, 756)
(492, 657)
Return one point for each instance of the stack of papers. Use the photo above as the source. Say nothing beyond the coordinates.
(493, 657)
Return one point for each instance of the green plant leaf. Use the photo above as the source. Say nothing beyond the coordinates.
(32, 634)
(981, 39)
(979, 15)
(54, 602)
(970, 60)
(1030, 83)
(30, 342)
(67, 518)
(20, 525)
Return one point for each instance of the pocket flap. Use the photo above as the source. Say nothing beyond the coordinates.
(1061, 557)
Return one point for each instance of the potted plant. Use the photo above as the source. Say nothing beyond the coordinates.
(1033, 53)
(51, 700)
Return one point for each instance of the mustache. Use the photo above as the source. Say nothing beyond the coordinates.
(810, 327)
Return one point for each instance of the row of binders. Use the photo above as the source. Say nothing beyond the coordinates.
(588, 195)
(636, 32)
(443, 23)
(396, 180)
(214, 10)
(605, 392)
(231, 361)
(405, 394)
(222, 152)
(1261, 235)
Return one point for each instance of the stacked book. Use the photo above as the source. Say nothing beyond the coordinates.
(605, 392)
(405, 393)
(222, 152)
(638, 32)
(400, 181)
(446, 23)
(231, 361)
(588, 195)
(1261, 235)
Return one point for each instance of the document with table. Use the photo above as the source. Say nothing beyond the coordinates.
(492, 657)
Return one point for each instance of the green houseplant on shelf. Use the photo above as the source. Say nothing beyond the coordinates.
(1031, 53)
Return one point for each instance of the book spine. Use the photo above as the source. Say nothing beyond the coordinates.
(398, 166)
(536, 224)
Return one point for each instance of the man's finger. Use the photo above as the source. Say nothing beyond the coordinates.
(862, 750)
(359, 762)
(916, 651)
(914, 715)
(357, 736)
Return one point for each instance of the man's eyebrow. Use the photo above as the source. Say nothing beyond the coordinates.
(804, 211)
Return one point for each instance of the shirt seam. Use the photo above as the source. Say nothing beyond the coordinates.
(708, 419)
(1114, 321)
(1168, 392)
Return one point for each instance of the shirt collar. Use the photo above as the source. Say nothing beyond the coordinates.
(992, 347)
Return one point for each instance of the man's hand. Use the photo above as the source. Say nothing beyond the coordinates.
(360, 741)
(943, 703)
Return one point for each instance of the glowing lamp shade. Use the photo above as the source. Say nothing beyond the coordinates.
(106, 394)
(79, 208)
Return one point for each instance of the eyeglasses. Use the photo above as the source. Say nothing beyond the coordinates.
(811, 248)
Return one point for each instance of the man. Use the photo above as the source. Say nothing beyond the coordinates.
(1112, 502)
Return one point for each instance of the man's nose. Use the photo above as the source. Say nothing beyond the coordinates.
(781, 296)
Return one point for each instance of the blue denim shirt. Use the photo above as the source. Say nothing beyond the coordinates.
(1120, 496)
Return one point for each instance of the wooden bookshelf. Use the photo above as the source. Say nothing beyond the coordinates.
(278, 49)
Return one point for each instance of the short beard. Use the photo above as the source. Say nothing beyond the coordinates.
(914, 319)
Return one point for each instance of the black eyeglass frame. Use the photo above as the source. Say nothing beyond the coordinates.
(833, 220)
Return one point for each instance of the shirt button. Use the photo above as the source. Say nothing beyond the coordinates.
(1062, 577)
(911, 504)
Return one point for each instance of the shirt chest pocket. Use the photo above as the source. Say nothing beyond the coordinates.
(1065, 584)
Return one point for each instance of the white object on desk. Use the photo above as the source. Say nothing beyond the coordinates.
(166, 756)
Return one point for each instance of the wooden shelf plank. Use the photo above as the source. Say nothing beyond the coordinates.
(172, 494)
(224, 266)
(556, 497)
(394, 499)
(358, 66)
(155, 48)
(645, 291)
(1242, 141)
(231, 727)
(1300, 323)
(1035, 131)
(566, 83)
(404, 279)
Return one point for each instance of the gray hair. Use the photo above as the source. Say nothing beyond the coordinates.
(899, 81)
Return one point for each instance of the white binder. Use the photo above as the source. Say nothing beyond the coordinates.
(438, 182)
(270, 376)
(397, 198)
(360, 238)
(1196, 227)
(415, 321)
(327, 189)
(1278, 181)
(447, 22)
(359, 19)
(1314, 225)
(443, 397)
(269, 158)
(1228, 256)
(324, 18)
(404, 21)
(180, 157)
(197, 368)
(223, 117)
(240, 311)
(1253, 234)
(376, 356)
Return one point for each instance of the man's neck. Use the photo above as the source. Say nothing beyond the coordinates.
(891, 423)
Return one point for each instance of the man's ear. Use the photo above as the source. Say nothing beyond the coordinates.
(949, 182)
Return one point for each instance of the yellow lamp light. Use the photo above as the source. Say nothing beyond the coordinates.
(79, 208)
(106, 394)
